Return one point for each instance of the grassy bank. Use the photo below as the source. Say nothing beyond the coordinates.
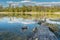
(31, 14)
(53, 27)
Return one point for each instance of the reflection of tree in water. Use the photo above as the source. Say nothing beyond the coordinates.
(11, 18)
(10, 36)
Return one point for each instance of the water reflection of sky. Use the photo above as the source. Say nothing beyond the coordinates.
(56, 22)
(16, 20)
(15, 24)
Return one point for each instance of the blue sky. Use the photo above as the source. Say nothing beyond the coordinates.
(5, 4)
(33, 0)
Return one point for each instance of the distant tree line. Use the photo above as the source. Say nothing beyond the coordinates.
(30, 9)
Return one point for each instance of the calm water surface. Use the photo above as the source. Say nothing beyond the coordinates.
(13, 26)
(56, 22)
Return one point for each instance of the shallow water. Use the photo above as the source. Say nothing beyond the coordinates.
(56, 22)
(13, 26)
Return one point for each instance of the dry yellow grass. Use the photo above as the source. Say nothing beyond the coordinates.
(36, 14)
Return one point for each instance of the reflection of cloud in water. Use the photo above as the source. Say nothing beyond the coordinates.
(22, 21)
(16, 20)
(52, 22)
(28, 22)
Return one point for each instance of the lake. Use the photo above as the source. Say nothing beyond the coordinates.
(11, 28)
(55, 22)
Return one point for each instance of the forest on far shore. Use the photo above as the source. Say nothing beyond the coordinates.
(30, 9)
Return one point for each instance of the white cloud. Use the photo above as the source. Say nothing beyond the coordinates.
(48, 3)
(35, 3)
(24, 1)
(12, 2)
(9, 2)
